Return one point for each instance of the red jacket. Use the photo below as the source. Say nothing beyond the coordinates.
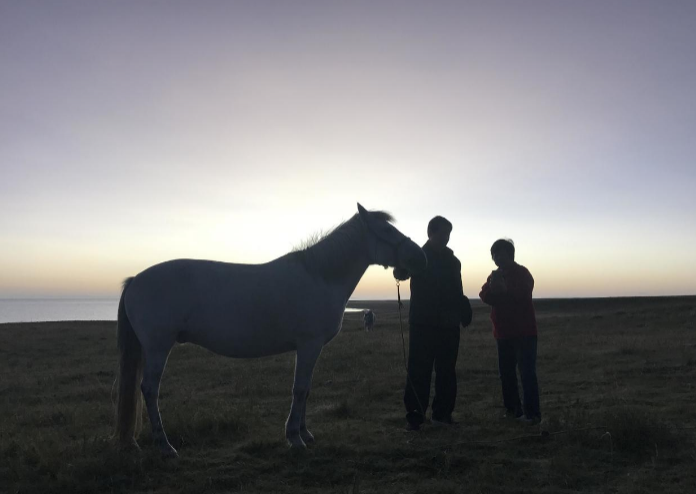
(512, 311)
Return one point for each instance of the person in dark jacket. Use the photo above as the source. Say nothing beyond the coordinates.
(437, 307)
(508, 291)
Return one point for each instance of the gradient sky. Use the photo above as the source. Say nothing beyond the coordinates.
(132, 132)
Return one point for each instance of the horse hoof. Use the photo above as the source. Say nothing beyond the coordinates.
(168, 452)
(296, 443)
(307, 436)
(129, 446)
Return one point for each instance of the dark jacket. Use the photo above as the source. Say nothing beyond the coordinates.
(437, 297)
(512, 311)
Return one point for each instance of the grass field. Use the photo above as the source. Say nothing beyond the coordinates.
(618, 395)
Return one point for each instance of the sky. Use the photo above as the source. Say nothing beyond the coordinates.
(133, 132)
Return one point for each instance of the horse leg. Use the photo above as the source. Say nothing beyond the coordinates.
(306, 436)
(155, 360)
(307, 355)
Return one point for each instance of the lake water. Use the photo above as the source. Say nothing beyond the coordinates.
(52, 309)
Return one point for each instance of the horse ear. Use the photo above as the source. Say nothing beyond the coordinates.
(364, 215)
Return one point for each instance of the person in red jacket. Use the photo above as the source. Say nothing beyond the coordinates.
(508, 291)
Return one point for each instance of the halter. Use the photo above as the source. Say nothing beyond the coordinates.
(394, 245)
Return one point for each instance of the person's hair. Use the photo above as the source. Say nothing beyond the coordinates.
(504, 244)
(437, 224)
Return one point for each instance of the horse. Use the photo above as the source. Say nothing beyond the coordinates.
(293, 303)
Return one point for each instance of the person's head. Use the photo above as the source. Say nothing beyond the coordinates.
(439, 230)
(503, 252)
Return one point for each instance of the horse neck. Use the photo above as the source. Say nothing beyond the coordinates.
(341, 258)
(354, 275)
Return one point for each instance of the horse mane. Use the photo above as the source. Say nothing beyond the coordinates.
(327, 254)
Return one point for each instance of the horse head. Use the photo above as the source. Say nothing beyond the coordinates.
(389, 247)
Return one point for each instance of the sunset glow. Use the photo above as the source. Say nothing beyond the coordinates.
(133, 133)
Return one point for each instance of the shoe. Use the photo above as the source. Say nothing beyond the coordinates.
(448, 422)
(529, 420)
(412, 427)
(512, 414)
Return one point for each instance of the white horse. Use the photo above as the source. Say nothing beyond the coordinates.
(369, 319)
(295, 302)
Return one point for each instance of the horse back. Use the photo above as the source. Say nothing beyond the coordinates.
(239, 310)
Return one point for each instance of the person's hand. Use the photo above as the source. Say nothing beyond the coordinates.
(466, 312)
(401, 274)
(498, 282)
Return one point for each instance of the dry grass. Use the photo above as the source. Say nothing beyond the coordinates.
(621, 370)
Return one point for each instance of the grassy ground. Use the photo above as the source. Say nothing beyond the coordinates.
(623, 370)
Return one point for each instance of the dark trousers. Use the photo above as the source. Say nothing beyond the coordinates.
(519, 353)
(431, 347)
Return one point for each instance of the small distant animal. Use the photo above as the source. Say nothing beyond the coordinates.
(369, 319)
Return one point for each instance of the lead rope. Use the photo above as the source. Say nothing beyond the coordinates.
(403, 347)
(401, 326)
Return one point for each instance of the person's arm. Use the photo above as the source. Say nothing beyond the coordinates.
(465, 312)
(516, 286)
(497, 282)
(486, 294)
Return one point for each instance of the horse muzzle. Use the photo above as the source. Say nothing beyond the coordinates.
(414, 260)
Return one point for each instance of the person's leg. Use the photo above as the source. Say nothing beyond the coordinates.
(507, 368)
(446, 351)
(527, 355)
(420, 368)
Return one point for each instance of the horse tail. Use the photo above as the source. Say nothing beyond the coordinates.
(129, 405)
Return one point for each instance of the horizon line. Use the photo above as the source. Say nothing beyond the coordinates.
(570, 297)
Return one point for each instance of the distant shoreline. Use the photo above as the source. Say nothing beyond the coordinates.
(543, 306)
(476, 300)
(357, 300)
